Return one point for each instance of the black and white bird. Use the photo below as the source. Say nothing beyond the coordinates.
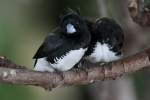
(107, 40)
(65, 47)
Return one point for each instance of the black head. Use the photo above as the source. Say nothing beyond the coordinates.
(72, 23)
(109, 28)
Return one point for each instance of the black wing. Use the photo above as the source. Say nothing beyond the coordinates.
(51, 43)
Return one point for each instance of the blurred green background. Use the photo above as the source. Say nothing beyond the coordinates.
(25, 23)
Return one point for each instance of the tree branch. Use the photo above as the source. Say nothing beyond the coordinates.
(15, 74)
(140, 11)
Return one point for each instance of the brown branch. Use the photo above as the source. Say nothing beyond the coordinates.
(140, 12)
(12, 74)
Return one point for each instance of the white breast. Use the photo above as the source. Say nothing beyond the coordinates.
(68, 61)
(102, 53)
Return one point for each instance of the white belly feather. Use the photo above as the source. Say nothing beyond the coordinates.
(43, 65)
(102, 53)
(69, 60)
(64, 63)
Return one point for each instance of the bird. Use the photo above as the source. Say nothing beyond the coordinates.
(107, 39)
(65, 47)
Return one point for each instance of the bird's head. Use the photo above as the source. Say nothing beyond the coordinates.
(72, 23)
(110, 32)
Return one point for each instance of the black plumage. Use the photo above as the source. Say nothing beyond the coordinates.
(107, 32)
(61, 41)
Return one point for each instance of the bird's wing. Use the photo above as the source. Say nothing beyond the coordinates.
(51, 43)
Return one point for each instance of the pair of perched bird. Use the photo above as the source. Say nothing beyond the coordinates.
(77, 39)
